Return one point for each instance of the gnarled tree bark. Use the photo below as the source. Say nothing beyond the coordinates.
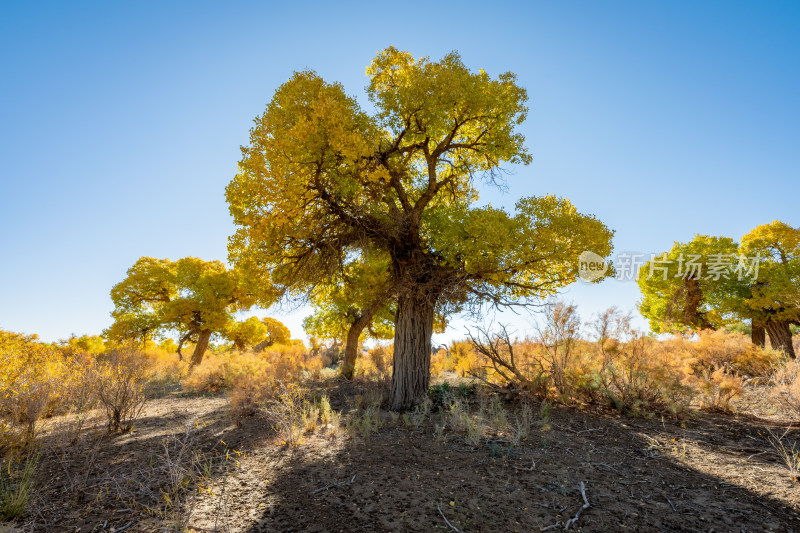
(351, 345)
(780, 336)
(692, 315)
(200, 348)
(412, 349)
(758, 335)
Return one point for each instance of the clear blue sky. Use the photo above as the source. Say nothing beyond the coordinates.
(120, 123)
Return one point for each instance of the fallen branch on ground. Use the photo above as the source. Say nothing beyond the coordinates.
(332, 485)
(123, 528)
(582, 509)
(454, 528)
(674, 510)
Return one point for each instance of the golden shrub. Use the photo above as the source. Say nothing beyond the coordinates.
(376, 363)
(119, 378)
(711, 350)
(30, 375)
(786, 385)
(441, 362)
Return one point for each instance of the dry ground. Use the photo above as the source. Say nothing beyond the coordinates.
(708, 473)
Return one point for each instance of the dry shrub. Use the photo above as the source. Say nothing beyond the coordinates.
(718, 390)
(185, 469)
(558, 336)
(119, 378)
(248, 378)
(514, 365)
(248, 397)
(634, 373)
(467, 361)
(290, 362)
(225, 372)
(217, 373)
(712, 350)
(165, 372)
(716, 363)
(253, 379)
(30, 373)
(786, 385)
(39, 380)
(376, 363)
(442, 362)
(288, 413)
(77, 396)
(459, 358)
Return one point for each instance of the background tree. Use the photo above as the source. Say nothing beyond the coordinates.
(257, 332)
(190, 297)
(321, 178)
(246, 333)
(277, 333)
(681, 290)
(774, 299)
(757, 281)
(359, 299)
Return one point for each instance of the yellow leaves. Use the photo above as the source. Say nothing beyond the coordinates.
(776, 239)
(160, 295)
(321, 177)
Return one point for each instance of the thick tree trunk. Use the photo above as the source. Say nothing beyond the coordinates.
(780, 336)
(200, 348)
(692, 315)
(758, 335)
(263, 345)
(412, 350)
(351, 346)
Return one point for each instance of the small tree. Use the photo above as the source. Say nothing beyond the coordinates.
(360, 299)
(774, 299)
(256, 332)
(190, 296)
(277, 333)
(679, 293)
(558, 334)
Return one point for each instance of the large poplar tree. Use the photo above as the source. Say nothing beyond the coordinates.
(322, 178)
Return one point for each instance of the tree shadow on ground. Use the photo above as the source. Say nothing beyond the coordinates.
(637, 474)
(102, 481)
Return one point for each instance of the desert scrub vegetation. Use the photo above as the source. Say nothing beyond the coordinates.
(253, 379)
(786, 385)
(78, 377)
(40, 380)
(608, 362)
(16, 484)
(120, 377)
(228, 370)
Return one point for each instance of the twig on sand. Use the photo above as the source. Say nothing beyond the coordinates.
(674, 510)
(332, 485)
(123, 528)
(553, 526)
(582, 509)
(454, 528)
